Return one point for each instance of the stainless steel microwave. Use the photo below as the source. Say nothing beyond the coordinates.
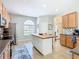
(2, 21)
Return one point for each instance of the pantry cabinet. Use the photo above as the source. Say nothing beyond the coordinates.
(70, 20)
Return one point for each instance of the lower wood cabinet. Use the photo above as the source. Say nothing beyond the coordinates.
(66, 40)
(69, 42)
(75, 56)
(6, 53)
(62, 40)
(2, 57)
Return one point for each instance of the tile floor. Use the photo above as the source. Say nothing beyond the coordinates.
(59, 52)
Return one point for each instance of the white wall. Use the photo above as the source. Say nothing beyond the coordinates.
(43, 23)
(19, 20)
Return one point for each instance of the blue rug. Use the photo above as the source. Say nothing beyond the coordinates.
(20, 53)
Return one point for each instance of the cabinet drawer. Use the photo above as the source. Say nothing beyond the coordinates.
(2, 57)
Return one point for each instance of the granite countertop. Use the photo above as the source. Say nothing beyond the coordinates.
(44, 36)
(3, 44)
(75, 50)
(70, 35)
(67, 34)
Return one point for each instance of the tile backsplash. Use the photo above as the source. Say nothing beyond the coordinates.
(68, 31)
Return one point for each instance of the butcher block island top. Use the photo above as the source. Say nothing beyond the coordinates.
(44, 36)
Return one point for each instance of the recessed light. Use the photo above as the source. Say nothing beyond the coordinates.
(56, 9)
(44, 5)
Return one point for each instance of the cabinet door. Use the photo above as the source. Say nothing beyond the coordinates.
(1, 57)
(65, 21)
(3, 12)
(7, 52)
(8, 49)
(77, 41)
(0, 6)
(69, 42)
(75, 56)
(73, 20)
(62, 40)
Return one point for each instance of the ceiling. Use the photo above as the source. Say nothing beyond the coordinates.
(37, 8)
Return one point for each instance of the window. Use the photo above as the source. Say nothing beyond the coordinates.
(29, 27)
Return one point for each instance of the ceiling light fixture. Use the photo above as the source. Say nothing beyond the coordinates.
(56, 9)
(44, 6)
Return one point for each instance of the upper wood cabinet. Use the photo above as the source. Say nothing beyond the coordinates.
(65, 21)
(5, 14)
(70, 20)
(0, 6)
(73, 20)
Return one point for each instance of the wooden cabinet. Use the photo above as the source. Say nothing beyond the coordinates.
(6, 16)
(6, 52)
(70, 20)
(66, 40)
(69, 42)
(2, 57)
(4, 13)
(77, 41)
(75, 56)
(0, 6)
(65, 21)
(62, 40)
(73, 20)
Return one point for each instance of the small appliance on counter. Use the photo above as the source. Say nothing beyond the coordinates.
(40, 33)
(76, 31)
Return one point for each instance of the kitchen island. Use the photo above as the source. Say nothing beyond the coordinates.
(4, 49)
(43, 43)
(75, 53)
